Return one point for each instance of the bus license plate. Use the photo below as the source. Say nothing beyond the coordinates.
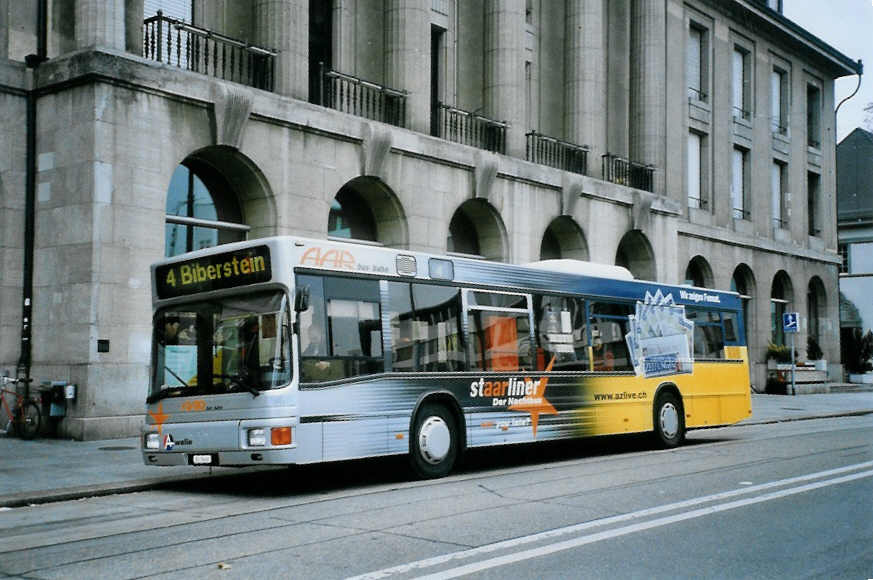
(201, 459)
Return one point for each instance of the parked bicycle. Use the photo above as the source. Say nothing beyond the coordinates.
(24, 416)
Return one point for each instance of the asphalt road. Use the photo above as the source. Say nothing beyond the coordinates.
(788, 500)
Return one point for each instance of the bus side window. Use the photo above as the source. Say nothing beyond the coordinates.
(609, 325)
(340, 332)
(708, 334)
(425, 327)
(561, 333)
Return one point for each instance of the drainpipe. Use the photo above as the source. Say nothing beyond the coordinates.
(33, 61)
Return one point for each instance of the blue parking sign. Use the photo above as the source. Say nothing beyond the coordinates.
(790, 322)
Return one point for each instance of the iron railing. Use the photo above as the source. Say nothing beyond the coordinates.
(556, 153)
(177, 43)
(468, 128)
(624, 172)
(361, 98)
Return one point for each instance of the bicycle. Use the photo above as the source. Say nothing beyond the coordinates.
(24, 417)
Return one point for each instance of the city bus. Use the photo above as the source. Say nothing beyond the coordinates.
(288, 350)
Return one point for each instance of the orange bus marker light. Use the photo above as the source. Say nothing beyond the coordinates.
(280, 436)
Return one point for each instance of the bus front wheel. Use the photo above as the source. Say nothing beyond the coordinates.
(434, 446)
(669, 419)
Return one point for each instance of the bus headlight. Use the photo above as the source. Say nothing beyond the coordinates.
(152, 441)
(257, 437)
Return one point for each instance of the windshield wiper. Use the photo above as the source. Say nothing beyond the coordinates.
(241, 381)
(165, 392)
(162, 394)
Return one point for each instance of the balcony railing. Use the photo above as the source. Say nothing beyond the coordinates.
(179, 44)
(556, 153)
(468, 128)
(361, 98)
(624, 172)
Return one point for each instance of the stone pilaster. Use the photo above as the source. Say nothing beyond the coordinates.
(283, 25)
(648, 86)
(407, 57)
(504, 69)
(100, 23)
(586, 83)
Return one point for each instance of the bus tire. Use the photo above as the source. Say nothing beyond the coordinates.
(669, 420)
(434, 446)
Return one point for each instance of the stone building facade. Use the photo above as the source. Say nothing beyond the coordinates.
(688, 141)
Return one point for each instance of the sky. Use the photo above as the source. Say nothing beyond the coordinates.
(846, 25)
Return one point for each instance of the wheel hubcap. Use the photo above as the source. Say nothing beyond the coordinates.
(669, 420)
(434, 440)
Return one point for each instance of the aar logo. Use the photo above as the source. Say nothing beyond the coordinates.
(168, 442)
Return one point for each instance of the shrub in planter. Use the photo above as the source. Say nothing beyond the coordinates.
(859, 351)
(813, 350)
(778, 352)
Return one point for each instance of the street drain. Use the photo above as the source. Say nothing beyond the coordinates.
(117, 448)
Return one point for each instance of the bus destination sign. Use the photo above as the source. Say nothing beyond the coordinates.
(216, 272)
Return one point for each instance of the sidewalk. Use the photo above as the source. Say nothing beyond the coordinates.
(55, 469)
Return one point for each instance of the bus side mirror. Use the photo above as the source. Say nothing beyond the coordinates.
(301, 299)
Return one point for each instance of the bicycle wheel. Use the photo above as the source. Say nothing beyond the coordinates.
(27, 420)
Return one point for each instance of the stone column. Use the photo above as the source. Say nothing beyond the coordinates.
(648, 104)
(504, 69)
(586, 83)
(407, 54)
(133, 18)
(100, 23)
(283, 25)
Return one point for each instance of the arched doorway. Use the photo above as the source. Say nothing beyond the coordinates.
(698, 273)
(563, 239)
(365, 209)
(635, 253)
(816, 308)
(477, 230)
(743, 283)
(781, 301)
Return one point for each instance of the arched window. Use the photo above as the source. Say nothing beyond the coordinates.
(477, 230)
(781, 297)
(196, 218)
(351, 217)
(635, 253)
(462, 235)
(563, 239)
(698, 273)
(743, 283)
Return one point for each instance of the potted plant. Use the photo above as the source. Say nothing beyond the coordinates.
(779, 353)
(815, 355)
(859, 351)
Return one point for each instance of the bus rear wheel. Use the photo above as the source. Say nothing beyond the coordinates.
(434, 446)
(669, 419)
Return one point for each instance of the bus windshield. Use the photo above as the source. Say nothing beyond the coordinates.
(230, 344)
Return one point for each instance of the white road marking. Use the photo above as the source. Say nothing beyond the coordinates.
(568, 530)
(609, 534)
